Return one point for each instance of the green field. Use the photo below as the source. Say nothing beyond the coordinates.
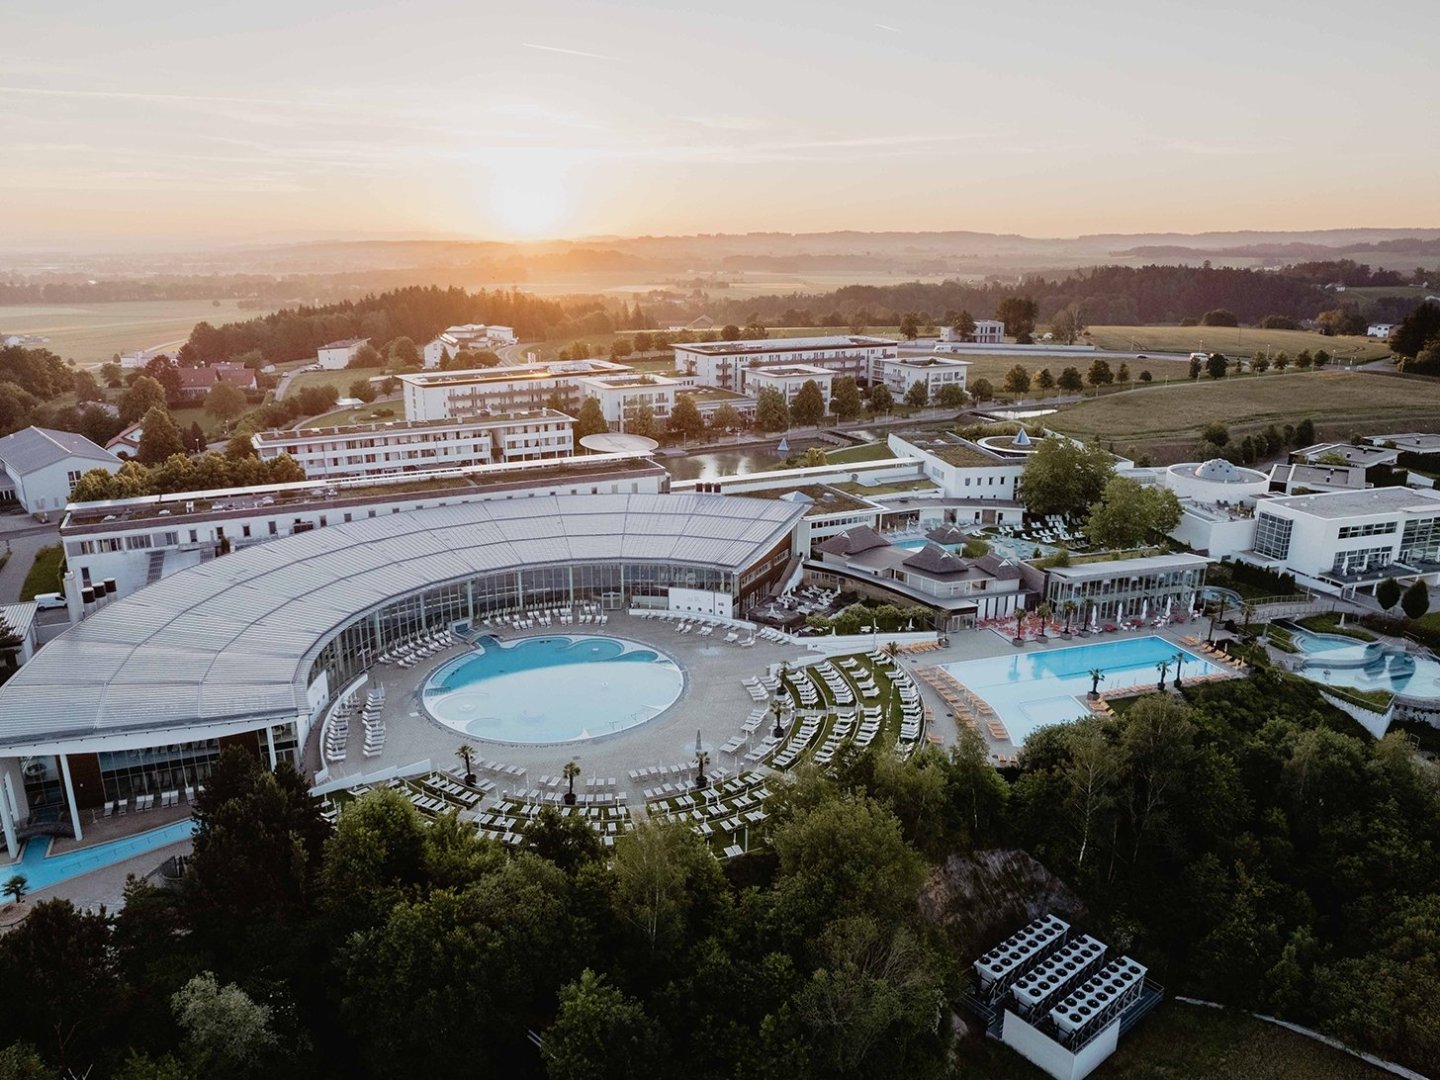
(90, 334)
(1160, 418)
(44, 573)
(341, 380)
(1232, 341)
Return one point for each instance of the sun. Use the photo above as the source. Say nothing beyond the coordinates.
(528, 202)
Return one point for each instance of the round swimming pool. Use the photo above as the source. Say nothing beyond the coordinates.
(552, 689)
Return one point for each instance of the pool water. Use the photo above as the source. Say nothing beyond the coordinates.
(1029, 689)
(916, 545)
(42, 870)
(1335, 660)
(552, 689)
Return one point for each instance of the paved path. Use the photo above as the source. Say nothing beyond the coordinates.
(23, 544)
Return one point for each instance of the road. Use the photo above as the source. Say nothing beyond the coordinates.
(24, 537)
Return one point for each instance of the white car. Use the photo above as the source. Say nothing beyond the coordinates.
(47, 600)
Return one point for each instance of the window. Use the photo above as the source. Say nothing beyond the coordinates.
(1272, 535)
(1370, 528)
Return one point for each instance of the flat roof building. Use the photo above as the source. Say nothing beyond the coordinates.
(338, 354)
(936, 372)
(480, 392)
(720, 363)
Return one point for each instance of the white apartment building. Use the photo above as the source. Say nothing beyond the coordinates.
(338, 354)
(789, 379)
(139, 541)
(377, 449)
(474, 336)
(721, 363)
(622, 396)
(963, 469)
(987, 332)
(903, 372)
(481, 392)
(1343, 541)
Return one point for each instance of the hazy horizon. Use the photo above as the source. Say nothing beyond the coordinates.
(161, 124)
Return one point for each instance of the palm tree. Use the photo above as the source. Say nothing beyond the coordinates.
(778, 708)
(1164, 668)
(466, 753)
(701, 760)
(891, 649)
(1018, 638)
(1043, 612)
(1247, 618)
(1219, 616)
(571, 771)
(1095, 676)
(1179, 659)
(16, 887)
(1069, 607)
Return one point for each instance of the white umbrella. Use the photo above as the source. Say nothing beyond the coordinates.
(1120, 612)
(1145, 610)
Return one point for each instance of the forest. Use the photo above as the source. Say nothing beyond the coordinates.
(1247, 842)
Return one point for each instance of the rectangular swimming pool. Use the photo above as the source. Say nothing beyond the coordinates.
(1033, 687)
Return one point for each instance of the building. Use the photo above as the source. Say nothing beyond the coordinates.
(1379, 330)
(250, 649)
(720, 363)
(1408, 442)
(623, 397)
(1380, 463)
(1215, 481)
(1109, 591)
(987, 332)
(41, 466)
(196, 382)
(1060, 998)
(377, 449)
(480, 392)
(20, 618)
(126, 444)
(936, 372)
(963, 469)
(789, 380)
(137, 542)
(960, 590)
(1308, 479)
(1347, 541)
(338, 354)
(473, 337)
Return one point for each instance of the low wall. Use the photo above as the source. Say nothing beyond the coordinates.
(342, 783)
(1373, 722)
(835, 644)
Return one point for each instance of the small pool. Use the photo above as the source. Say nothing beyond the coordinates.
(916, 545)
(1011, 547)
(1030, 689)
(552, 689)
(42, 870)
(1335, 660)
(1214, 592)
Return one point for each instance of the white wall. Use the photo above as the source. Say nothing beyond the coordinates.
(702, 602)
(1045, 1053)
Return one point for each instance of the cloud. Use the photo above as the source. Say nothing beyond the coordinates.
(565, 52)
(888, 29)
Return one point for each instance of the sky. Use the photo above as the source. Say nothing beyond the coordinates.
(158, 123)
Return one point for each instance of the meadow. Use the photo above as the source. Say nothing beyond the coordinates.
(1232, 341)
(1167, 419)
(91, 334)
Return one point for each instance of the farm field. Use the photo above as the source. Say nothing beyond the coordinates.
(1232, 341)
(1163, 417)
(91, 334)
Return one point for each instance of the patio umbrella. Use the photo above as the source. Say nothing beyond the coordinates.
(1145, 610)
(1120, 613)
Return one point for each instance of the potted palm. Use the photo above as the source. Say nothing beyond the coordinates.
(466, 754)
(1043, 613)
(1164, 668)
(1019, 637)
(1069, 609)
(701, 760)
(570, 772)
(1095, 676)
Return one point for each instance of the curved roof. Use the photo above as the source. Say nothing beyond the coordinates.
(614, 442)
(228, 639)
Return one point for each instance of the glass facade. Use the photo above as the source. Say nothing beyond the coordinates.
(610, 584)
(1125, 594)
(1420, 542)
(1272, 535)
(156, 769)
(1361, 560)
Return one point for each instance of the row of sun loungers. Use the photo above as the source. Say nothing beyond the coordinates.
(166, 799)
(409, 653)
(721, 812)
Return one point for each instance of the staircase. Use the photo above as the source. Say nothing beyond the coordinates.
(156, 570)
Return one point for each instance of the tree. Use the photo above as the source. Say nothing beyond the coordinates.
(1197, 365)
(950, 396)
(1100, 373)
(1322, 358)
(600, 1032)
(730, 332)
(1070, 381)
(918, 396)
(1260, 364)
(1130, 513)
(910, 326)
(1217, 365)
(981, 390)
(725, 418)
(771, 411)
(195, 440)
(1216, 433)
(1064, 477)
(1417, 330)
(1305, 432)
(685, 419)
(160, 437)
(1219, 317)
(845, 399)
(19, 1061)
(367, 356)
(1303, 360)
(1068, 324)
(226, 1032)
(591, 420)
(1281, 360)
(1416, 601)
(1017, 380)
(1044, 380)
(111, 374)
(964, 326)
(363, 389)
(403, 352)
(881, 399)
(662, 870)
(808, 408)
(1123, 374)
(225, 401)
(570, 772)
(1018, 314)
(640, 419)
(1387, 593)
(240, 448)
(143, 395)
(17, 885)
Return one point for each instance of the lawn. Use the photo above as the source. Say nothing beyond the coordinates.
(91, 334)
(341, 380)
(44, 575)
(380, 412)
(1232, 341)
(1167, 419)
(849, 455)
(1188, 1042)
